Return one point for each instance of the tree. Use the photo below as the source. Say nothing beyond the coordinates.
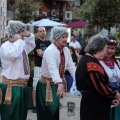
(85, 11)
(107, 13)
(25, 10)
(101, 13)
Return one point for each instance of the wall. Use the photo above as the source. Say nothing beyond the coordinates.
(3, 20)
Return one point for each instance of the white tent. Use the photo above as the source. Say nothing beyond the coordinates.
(45, 23)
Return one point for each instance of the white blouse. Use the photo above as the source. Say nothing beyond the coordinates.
(12, 58)
(113, 74)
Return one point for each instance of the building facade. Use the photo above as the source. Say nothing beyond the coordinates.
(57, 10)
(3, 18)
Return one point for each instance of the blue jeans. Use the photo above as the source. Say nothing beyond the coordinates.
(69, 80)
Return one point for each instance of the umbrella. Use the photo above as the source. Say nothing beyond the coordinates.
(45, 22)
(77, 24)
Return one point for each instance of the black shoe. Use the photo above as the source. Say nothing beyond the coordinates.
(34, 109)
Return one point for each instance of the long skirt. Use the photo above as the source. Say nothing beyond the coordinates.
(94, 107)
(50, 112)
(115, 111)
(19, 107)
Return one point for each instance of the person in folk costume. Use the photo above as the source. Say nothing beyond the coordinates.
(52, 85)
(16, 71)
(112, 68)
(93, 82)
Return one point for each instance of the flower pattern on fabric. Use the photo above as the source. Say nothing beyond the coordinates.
(95, 67)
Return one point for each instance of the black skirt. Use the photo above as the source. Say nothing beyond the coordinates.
(94, 106)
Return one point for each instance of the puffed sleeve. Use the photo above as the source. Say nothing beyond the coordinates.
(30, 43)
(97, 77)
(12, 51)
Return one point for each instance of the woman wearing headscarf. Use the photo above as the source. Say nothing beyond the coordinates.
(112, 68)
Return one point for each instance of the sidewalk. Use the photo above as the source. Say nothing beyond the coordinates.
(31, 115)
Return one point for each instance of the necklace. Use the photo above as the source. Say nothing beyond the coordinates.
(109, 63)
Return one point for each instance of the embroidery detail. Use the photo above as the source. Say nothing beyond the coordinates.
(95, 67)
(25, 63)
(62, 64)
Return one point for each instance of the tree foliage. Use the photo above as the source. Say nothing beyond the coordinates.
(103, 13)
(25, 10)
(86, 10)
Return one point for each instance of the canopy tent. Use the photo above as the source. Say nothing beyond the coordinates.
(45, 23)
(77, 24)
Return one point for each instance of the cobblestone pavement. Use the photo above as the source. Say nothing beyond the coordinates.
(31, 115)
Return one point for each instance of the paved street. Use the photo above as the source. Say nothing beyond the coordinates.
(31, 116)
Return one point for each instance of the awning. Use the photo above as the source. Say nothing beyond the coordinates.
(77, 24)
(46, 23)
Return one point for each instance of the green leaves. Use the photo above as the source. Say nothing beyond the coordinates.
(26, 10)
(101, 13)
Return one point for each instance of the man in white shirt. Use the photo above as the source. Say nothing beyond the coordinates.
(56, 60)
(75, 43)
(16, 71)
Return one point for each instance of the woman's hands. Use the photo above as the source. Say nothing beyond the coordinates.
(115, 102)
(117, 98)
